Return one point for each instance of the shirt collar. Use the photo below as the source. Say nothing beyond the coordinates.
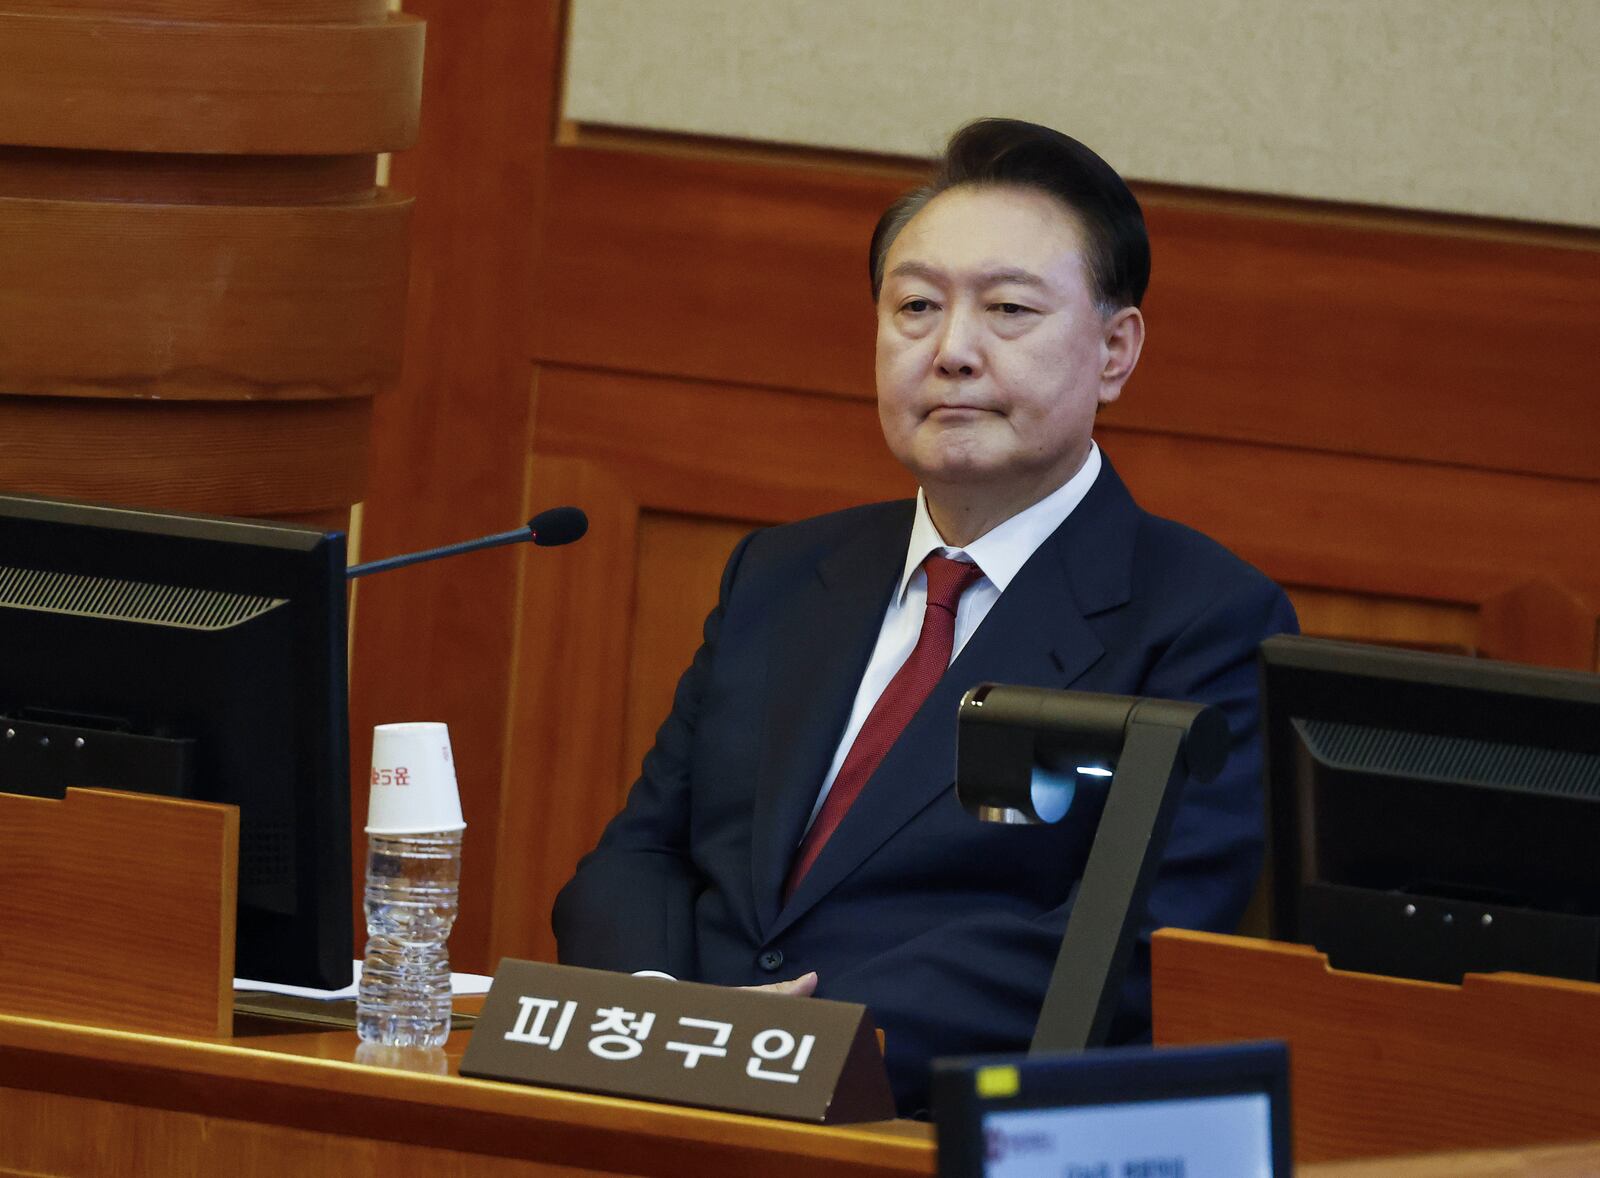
(1003, 550)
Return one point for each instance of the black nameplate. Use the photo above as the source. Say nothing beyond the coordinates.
(744, 1051)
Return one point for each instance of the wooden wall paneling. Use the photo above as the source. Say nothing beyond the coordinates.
(448, 449)
(567, 708)
(1271, 321)
(174, 245)
(1287, 417)
(1379, 550)
(676, 578)
(249, 11)
(1450, 627)
(701, 447)
(711, 268)
(102, 80)
(203, 301)
(1371, 334)
(274, 459)
(1385, 528)
(1379, 526)
(1540, 622)
(49, 172)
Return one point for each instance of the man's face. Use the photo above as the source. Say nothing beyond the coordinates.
(992, 356)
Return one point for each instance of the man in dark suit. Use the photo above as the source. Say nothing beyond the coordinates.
(795, 822)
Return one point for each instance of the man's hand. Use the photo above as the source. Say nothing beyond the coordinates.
(801, 987)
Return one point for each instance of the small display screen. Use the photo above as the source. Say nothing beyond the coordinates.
(1193, 1137)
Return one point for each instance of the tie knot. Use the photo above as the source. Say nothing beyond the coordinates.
(948, 580)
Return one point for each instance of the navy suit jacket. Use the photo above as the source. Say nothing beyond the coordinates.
(947, 928)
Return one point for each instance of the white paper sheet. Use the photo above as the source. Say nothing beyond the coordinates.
(460, 983)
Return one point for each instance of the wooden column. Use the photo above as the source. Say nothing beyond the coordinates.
(450, 453)
(201, 286)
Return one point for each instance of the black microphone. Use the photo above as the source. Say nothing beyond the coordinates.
(558, 525)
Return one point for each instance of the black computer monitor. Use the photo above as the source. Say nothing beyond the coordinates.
(194, 657)
(1432, 814)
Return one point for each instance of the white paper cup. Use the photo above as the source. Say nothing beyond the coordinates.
(413, 781)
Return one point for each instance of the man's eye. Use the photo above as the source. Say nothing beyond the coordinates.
(1011, 308)
(916, 306)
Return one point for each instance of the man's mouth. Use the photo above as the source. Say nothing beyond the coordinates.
(958, 409)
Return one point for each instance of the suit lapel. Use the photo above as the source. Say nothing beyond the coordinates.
(1035, 635)
(822, 639)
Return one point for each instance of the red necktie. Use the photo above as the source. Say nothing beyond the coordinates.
(947, 581)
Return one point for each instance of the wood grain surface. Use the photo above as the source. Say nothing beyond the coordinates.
(119, 910)
(53, 173)
(1385, 1066)
(1556, 1161)
(1351, 332)
(172, 236)
(564, 765)
(104, 82)
(248, 11)
(80, 1103)
(450, 448)
(1362, 335)
(202, 302)
(680, 561)
(264, 459)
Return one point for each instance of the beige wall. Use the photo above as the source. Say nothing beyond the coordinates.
(1487, 107)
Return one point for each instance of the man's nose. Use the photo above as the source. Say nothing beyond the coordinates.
(959, 351)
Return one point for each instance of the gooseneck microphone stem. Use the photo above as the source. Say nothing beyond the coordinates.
(514, 536)
(550, 528)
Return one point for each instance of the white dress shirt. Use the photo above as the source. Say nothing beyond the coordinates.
(1000, 553)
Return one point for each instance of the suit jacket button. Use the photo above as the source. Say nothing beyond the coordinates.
(771, 960)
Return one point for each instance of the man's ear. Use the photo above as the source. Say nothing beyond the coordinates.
(1121, 344)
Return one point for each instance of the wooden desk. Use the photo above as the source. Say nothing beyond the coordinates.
(84, 1101)
(1551, 1161)
(79, 1101)
(1382, 1065)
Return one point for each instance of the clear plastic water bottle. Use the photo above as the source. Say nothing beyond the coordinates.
(412, 886)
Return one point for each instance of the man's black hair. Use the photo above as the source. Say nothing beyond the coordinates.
(1010, 152)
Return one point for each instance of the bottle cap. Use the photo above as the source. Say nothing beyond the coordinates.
(413, 781)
